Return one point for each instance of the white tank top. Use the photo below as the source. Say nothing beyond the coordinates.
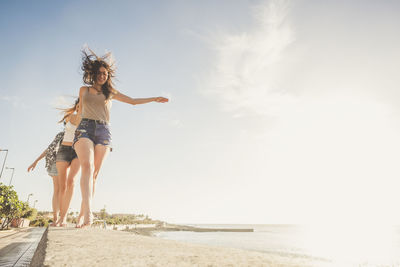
(69, 132)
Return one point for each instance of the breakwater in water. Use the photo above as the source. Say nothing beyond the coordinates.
(176, 227)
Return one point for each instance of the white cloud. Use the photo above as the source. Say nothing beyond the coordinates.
(332, 147)
(15, 101)
(247, 74)
(62, 101)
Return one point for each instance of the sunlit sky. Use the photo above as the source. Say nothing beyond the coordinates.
(279, 112)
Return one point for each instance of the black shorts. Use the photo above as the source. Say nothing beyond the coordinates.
(66, 154)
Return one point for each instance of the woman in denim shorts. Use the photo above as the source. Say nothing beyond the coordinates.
(92, 140)
(67, 159)
(50, 153)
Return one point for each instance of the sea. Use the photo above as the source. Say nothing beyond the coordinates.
(335, 245)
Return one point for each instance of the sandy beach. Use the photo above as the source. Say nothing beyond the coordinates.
(98, 247)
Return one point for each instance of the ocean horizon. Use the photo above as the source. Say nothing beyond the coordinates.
(351, 245)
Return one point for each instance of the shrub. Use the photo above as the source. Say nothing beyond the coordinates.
(10, 206)
(40, 222)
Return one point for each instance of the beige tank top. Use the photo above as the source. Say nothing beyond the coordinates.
(95, 107)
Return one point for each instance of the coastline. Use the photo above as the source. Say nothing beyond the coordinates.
(100, 247)
(166, 227)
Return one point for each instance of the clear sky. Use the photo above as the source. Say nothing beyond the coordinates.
(279, 112)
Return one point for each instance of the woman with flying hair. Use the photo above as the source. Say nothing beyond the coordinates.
(92, 140)
(67, 159)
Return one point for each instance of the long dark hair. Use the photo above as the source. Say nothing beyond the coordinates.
(91, 64)
(68, 111)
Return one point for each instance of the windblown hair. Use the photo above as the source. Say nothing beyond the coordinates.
(68, 111)
(91, 64)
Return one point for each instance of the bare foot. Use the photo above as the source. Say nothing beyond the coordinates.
(86, 225)
(79, 222)
(88, 221)
(59, 222)
(53, 224)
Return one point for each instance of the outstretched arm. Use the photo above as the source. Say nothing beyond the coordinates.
(33, 165)
(136, 101)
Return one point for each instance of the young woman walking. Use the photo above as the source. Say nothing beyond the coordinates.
(93, 137)
(50, 153)
(67, 159)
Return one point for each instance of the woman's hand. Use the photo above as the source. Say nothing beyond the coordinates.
(32, 167)
(161, 99)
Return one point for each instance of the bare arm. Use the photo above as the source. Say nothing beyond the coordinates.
(81, 91)
(33, 165)
(137, 101)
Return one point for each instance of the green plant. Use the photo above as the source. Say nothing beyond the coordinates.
(28, 212)
(40, 222)
(10, 206)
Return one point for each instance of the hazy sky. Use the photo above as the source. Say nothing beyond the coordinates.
(279, 112)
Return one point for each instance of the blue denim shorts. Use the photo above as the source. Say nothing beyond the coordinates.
(97, 131)
(65, 153)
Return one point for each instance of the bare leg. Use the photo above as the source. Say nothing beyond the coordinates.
(62, 167)
(55, 200)
(73, 170)
(100, 154)
(80, 216)
(85, 150)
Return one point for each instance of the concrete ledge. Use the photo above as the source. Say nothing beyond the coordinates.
(40, 253)
(18, 247)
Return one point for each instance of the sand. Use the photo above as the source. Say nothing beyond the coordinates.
(98, 247)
